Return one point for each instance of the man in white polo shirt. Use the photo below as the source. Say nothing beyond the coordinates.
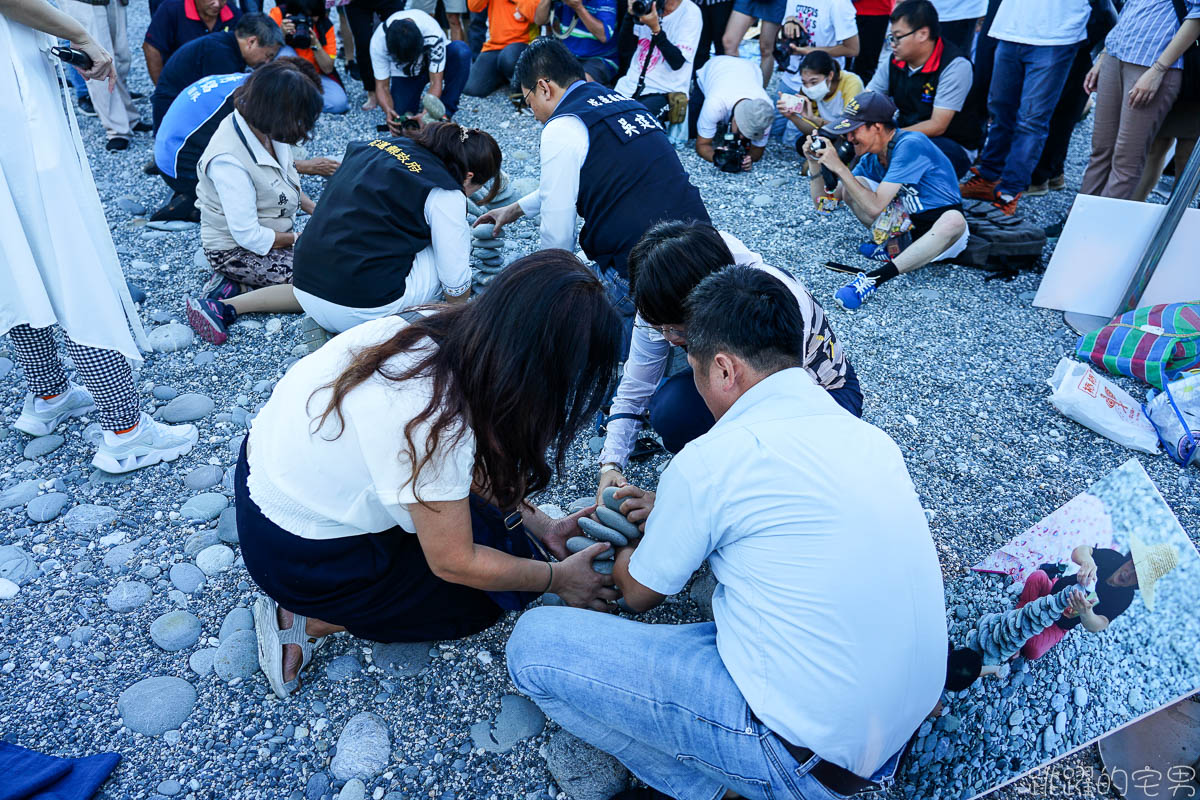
(829, 642)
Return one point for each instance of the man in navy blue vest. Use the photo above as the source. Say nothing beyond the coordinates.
(604, 158)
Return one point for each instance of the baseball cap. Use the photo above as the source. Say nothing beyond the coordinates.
(753, 117)
(866, 107)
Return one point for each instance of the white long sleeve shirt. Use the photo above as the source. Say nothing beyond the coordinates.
(236, 192)
(564, 148)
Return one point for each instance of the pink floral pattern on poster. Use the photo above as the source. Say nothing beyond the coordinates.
(1083, 520)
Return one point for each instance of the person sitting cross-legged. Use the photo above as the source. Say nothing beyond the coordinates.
(665, 265)
(383, 488)
(828, 647)
(903, 188)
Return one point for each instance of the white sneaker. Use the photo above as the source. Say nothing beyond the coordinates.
(149, 443)
(40, 417)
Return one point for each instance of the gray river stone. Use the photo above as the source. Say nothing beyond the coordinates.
(602, 533)
(618, 523)
(518, 719)
(187, 407)
(20, 494)
(43, 445)
(488, 244)
(153, 706)
(484, 230)
(198, 541)
(175, 630)
(363, 748)
(187, 578)
(46, 507)
(401, 659)
(603, 567)
(577, 543)
(16, 565)
(610, 499)
(201, 661)
(227, 526)
(237, 656)
(203, 477)
(214, 560)
(170, 337)
(582, 771)
(238, 619)
(127, 596)
(204, 507)
(343, 667)
(86, 518)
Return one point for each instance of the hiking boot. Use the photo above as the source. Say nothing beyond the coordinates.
(180, 208)
(218, 287)
(853, 294)
(978, 187)
(40, 417)
(1037, 189)
(210, 319)
(148, 443)
(1058, 183)
(1006, 203)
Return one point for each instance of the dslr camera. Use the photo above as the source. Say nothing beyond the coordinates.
(302, 39)
(641, 8)
(845, 151)
(783, 46)
(729, 151)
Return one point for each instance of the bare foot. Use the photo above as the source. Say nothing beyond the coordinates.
(371, 103)
(292, 654)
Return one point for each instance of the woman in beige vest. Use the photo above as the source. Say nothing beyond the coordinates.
(248, 193)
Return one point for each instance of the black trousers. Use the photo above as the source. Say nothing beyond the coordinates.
(361, 16)
(985, 59)
(1066, 117)
(715, 17)
(960, 32)
(871, 30)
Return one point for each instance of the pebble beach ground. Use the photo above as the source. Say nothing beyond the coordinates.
(129, 630)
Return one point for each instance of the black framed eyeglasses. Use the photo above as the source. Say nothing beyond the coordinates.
(892, 38)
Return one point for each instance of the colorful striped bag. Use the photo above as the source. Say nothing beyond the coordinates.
(1154, 344)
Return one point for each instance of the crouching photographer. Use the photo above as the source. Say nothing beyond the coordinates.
(903, 189)
(731, 114)
(308, 33)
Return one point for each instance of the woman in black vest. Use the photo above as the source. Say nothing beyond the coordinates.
(391, 230)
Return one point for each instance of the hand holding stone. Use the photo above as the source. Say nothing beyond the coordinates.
(613, 478)
(556, 534)
(631, 501)
(579, 585)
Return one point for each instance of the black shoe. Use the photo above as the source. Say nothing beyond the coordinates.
(85, 106)
(643, 793)
(137, 95)
(151, 168)
(117, 143)
(178, 208)
(142, 127)
(352, 70)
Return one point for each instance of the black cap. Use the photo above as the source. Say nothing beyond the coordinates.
(865, 108)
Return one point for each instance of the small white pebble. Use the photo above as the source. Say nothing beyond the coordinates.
(911, 419)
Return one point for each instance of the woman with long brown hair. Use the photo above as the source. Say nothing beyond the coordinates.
(435, 423)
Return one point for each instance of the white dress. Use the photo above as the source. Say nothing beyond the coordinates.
(58, 264)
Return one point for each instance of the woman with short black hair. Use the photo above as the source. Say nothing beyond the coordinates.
(248, 192)
(437, 423)
(670, 260)
(391, 229)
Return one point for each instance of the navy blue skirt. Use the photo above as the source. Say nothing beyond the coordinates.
(378, 586)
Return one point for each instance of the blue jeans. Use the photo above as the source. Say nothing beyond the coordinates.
(1026, 83)
(333, 95)
(406, 92)
(659, 699)
(618, 295)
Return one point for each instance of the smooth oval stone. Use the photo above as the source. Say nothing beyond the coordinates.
(119, 556)
(363, 748)
(175, 630)
(46, 507)
(578, 543)
(214, 559)
(17, 566)
(237, 656)
(43, 445)
(201, 661)
(127, 596)
(170, 337)
(488, 244)
(238, 619)
(343, 667)
(86, 518)
(618, 522)
(198, 541)
(485, 230)
(187, 407)
(187, 578)
(227, 526)
(603, 567)
(204, 507)
(19, 495)
(610, 499)
(401, 659)
(203, 477)
(164, 393)
(8, 589)
(153, 706)
(602, 533)
(172, 225)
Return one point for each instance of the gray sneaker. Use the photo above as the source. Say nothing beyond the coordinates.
(39, 417)
(151, 443)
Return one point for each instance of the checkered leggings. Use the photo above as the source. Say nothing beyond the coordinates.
(105, 373)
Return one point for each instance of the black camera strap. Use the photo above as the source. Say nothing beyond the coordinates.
(641, 85)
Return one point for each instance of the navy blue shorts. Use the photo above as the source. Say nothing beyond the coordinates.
(378, 586)
(765, 10)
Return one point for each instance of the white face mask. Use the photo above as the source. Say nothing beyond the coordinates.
(818, 91)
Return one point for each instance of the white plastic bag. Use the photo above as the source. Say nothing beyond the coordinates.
(1175, 437)
(1097, 403)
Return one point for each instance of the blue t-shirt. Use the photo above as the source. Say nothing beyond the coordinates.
(926, 175)
(194, 108)
(581, 42)
(176, 22)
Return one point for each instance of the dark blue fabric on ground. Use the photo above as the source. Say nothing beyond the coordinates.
(29, 775)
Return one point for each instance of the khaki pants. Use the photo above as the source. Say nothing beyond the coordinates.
(106, 25)
(1122, 135)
